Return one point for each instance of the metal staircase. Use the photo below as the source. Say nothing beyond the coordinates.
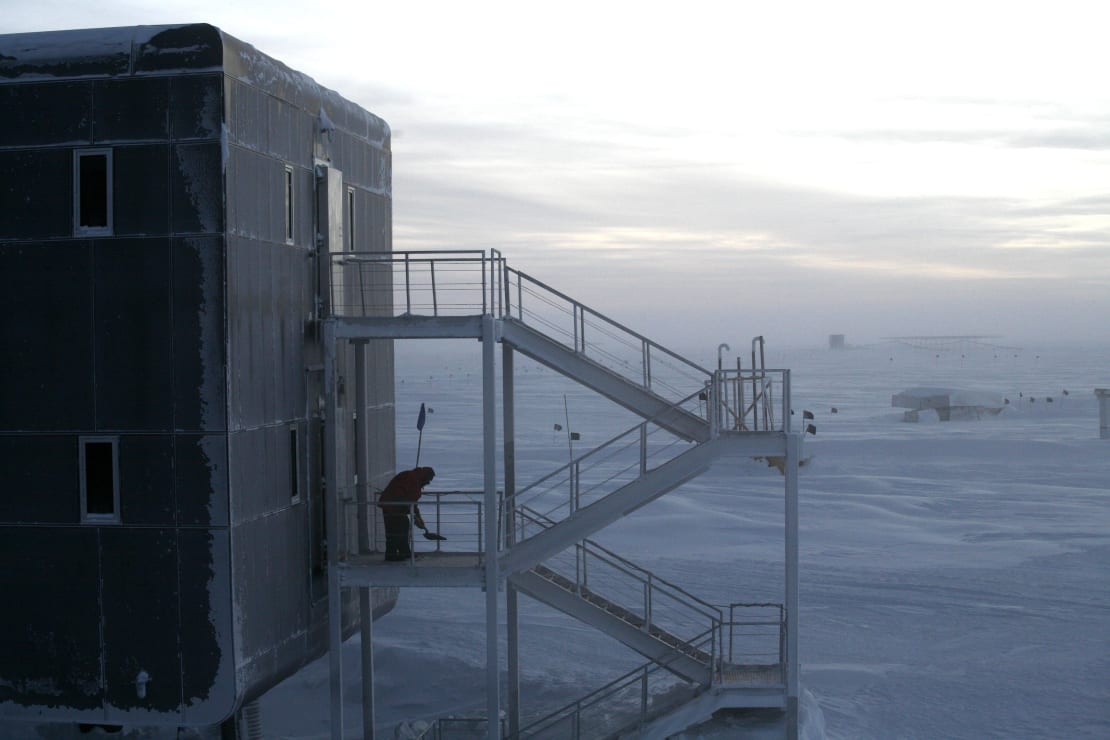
(700, 657)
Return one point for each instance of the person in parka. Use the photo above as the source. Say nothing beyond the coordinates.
(399, 496)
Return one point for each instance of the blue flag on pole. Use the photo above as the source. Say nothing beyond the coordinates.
(420, 419)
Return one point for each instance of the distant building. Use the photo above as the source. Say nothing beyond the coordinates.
(836, 341)
(168, 199)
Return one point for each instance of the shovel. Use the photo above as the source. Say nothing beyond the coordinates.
(432, 535)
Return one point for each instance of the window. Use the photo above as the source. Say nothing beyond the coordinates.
(92, 191)
(294, 471)
(288, 204)
(99, 479)
(350, 225)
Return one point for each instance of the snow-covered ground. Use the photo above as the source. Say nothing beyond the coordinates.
(955, 576)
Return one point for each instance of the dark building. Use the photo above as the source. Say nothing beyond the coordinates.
(169, 197)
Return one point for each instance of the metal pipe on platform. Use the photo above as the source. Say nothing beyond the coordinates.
(1103, 396)
(512, 615)
(333, 523)
(489, 448)
(793, 455)
(362, 478)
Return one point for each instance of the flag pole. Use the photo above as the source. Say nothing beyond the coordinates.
(420, 426)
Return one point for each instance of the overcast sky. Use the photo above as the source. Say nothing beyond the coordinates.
(710, 171)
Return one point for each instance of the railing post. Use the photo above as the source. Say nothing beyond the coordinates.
(714, 406)
(643, 696)
(645, 351)
(484, 296)
(439, 518)
(519, 298)
(574, 317)
(480, 540)
(643, 448)
(585, 568)
(647, 604)
(435, 303)
(575, 482)
(786, 402)
(408, 286)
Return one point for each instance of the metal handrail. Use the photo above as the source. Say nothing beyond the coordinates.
(779, 623)
(575, 467)
(578, 312)
(737, 412)
(644, 713)
(649, 582)
(437, 515)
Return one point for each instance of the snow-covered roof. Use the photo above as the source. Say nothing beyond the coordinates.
(159, 50)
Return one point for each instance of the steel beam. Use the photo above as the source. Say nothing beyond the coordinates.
(616, 388)
(605, 511)
(365, 603)
(489, 448)
(512, 615)
(333, 524)
(409, 327)
(793, 455)
(543, 590)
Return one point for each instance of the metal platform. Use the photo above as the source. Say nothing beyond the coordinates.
(739, 656)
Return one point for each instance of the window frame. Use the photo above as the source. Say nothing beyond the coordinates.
(350, 223)
(290, 201)
(296, 475)
(88, 517)
(78, 228)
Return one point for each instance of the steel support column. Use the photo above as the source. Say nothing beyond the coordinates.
(512, 615)
(334, 523)
(362, 478)
(793, 454)
(489, 449)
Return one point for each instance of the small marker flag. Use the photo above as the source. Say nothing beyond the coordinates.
(575, 436)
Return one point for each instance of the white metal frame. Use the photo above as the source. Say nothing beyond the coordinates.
(78, 229)
(498, 567)
(86, 516)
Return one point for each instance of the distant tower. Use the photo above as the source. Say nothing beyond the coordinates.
(836, 341)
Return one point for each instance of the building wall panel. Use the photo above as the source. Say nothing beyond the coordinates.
(36, 193)
(41, 480)
(196, 106)
(130, 109)
(141, 623)
(199, 379)
(196, 187)
(134, 366)
(201, 479)
(50, 644)
(141, 190)
(46, 113)
(207, 660)
(47, 373)
(146, 480)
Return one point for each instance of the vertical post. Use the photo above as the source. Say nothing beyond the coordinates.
(786, 403)
(643, 448)
(489, 448)
(793, 451)
(512, 615)
(714, 405)
(1103, 396)
(334, 519)
(435, 302)
(408, 286)
(365, 605)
